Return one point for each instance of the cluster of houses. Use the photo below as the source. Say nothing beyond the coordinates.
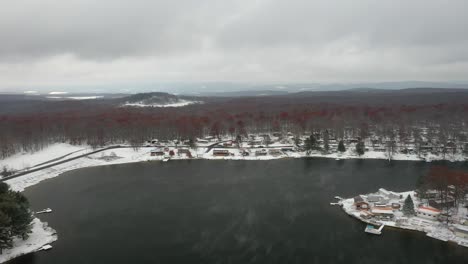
(166, 152)
(373, 142)
(387, 206)
(381, 205)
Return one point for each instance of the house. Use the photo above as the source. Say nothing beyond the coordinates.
(389, 194)
(287, 148)
(275, 152)
(374, 198)
(228, 143)
(358, 199)
(221, 152)
(383, 212)
(360, 203)
(362, 206)
(396, 206)
(440, 204)
(366, 214)
(184, 151)
(157, 152)
(428, 212)
(461, 230)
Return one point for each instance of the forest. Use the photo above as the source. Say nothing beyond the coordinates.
(416, 115)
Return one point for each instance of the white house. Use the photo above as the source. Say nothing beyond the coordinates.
(428, 212)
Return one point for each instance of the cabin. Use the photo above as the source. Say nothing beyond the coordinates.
(275, 152)
(389, 194)
(383, 212)
(428, 212)
(221, 152)
(183, 151)
(157, 152)
(461, 230)
(287, 148)
(362, 206)
(374, 198)
(227, 144)
(439, 204)
(360, 203)
(366, 214)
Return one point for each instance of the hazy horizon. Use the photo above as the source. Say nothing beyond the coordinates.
(129, 45)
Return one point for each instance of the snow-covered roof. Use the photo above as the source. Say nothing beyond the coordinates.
(462, 228)
(383, 210)
(429, 210)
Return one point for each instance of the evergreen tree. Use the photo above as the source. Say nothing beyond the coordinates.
(326, 141)
(341, 146)
(192, 143)
(360, 148)
(313, 141)
(408, 207)
(6, 238)
(15, 216)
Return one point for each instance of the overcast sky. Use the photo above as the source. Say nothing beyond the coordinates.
(90, 42)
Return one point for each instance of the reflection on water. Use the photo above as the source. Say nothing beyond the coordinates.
(228, 212)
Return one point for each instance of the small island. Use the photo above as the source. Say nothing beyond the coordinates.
(439, 207)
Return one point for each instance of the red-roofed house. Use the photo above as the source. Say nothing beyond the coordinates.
(428, 212)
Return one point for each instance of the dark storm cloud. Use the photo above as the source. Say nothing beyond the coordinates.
(56, 41)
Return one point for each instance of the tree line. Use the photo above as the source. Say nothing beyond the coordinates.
(15, 216)
(99, 126)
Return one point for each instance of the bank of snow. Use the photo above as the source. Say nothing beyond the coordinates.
(27, 160)
(41, 235)
(115, 156)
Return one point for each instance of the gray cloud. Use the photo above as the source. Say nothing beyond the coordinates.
(87, 41)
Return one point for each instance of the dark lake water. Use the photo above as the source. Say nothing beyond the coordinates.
(204, 211)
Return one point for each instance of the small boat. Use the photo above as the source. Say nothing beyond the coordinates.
(46, 247)
(372, 230)
(165, 159)
(47, 210)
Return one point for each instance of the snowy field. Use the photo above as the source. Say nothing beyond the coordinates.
(41, 235)
(22, 161)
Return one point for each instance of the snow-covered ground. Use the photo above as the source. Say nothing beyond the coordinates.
(432, 228)
(41, 235)
(22, 161)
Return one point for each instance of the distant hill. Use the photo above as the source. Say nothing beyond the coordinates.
(157, 99)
